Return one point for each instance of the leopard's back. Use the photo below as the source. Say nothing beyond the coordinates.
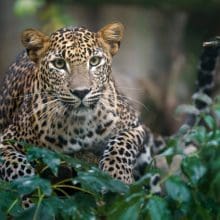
(17, 84)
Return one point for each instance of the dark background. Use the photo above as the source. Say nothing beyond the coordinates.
(156, 66)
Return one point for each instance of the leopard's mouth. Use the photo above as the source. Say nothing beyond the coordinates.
(79, 105)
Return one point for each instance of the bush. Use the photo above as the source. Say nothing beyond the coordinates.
(192, 192)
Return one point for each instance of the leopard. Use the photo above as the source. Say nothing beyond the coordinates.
(60, 94)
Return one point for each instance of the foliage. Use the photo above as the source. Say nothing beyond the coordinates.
(51, 14)
(55, 14)
(191, 192)
(171, 4)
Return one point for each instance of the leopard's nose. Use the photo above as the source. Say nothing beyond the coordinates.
(80, 93)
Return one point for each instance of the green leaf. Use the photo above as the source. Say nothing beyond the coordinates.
(213, 143)
(168, 152)
(199, 135)
(27, 7)
(203, 206)
(157, 209)
(36, 213)
(75, 207)
(127, 208)
(27, 185)
(215, 187)
(177, 190)
(77, 164)
(10, 201)
(184, 129)
(27, 214)
(2, 215)
(54, 205)
(210, 121)
(217, 109)
(50, 158)
(99, 182)
(193, 168)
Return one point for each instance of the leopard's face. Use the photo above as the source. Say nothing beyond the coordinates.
(75, 68)
(75, 65)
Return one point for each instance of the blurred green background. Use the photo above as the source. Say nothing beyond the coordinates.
(156, 66)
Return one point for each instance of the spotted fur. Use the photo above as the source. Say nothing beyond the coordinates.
(60, 94)
(202, 98)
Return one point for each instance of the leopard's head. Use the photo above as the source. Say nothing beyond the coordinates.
(74, 64)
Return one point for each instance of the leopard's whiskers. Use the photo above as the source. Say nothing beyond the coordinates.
(126, 99)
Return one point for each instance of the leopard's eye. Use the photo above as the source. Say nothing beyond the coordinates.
(59, 63)
(95, 61)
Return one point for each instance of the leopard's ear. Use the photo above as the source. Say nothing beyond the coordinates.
(35, 42)
(111, 36)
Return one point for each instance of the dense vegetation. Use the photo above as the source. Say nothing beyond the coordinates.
(192, 192)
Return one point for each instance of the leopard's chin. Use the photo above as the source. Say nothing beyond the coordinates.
(79, 111)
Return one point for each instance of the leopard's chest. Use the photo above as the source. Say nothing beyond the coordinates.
(89, 132)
